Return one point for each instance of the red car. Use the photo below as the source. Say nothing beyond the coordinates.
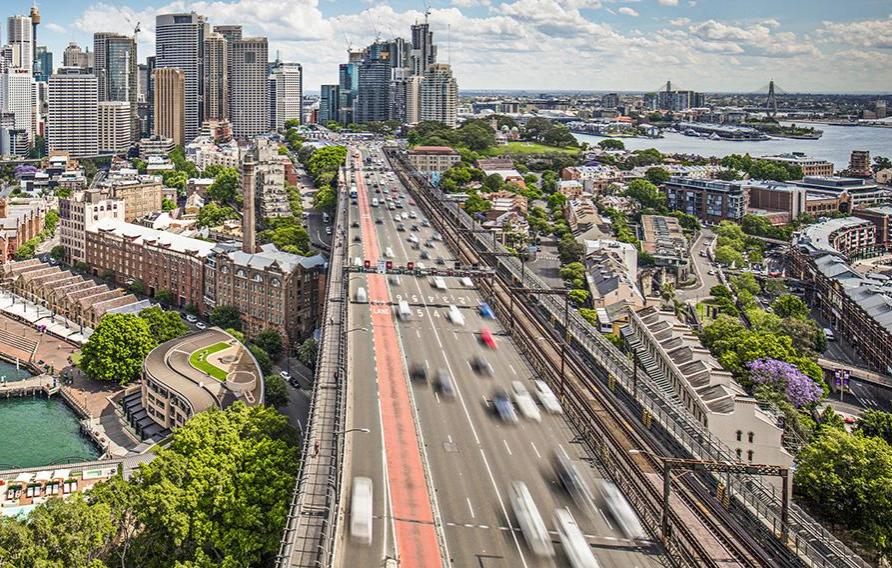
(412, 202)
(487, 338)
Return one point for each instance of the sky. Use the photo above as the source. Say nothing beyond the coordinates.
(545, 45)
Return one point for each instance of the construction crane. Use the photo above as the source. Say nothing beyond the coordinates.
(136, 31)
(427, 10)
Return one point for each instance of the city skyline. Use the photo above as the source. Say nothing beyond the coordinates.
(523, 44)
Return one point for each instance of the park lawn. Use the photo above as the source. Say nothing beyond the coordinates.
(528, 148)
(198, 360)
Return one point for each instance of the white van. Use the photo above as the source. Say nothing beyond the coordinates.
(466, 282)
(388, 252)
(455, 315)
(439, 283)
(403, 310)
(361, 295)
(374, 202)
(361, 511)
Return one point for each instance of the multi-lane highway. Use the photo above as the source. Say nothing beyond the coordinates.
(441, 465)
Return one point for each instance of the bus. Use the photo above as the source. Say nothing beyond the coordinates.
(361, 511)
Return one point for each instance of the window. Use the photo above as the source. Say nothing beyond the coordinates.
(750, 437)
(739, 435)
(749, 455)
(739, 453)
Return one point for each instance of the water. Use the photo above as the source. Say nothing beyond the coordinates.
(10, 373)
(39, 431)
(835, 145)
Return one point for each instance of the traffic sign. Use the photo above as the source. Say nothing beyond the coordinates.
(382, 266)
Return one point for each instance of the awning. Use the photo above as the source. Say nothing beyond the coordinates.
(24, 477)
(43, 476)
(62, 474)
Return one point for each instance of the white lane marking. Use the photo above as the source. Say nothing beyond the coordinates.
(504, 441)
(513, 372)
(418, 333)
(470, 507)
(535, 449)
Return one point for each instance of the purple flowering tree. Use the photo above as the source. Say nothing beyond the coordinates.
(799, 389)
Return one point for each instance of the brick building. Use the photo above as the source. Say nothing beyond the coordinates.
(427, 159)
(19, 224)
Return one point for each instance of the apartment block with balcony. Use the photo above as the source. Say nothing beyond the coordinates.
(712, 201)
(428, 159)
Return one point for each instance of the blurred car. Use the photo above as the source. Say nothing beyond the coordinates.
(525, 402)
(503, 406)
(200, 325)
(285, 375)
(445, 384)
(547, 398)
(425, 255)
(191, 319)
(379, 221)
(481, 366)
(487, 338)
(486, 312)
(418, 372)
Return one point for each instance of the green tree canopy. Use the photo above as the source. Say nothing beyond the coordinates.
(275, 393)
(656, 175)
(226, 317)
(611, 144)
(117, 348)
(213, 215)
(262, 357)
(789, 306)
(163, 325)
(225, 188)
(647, 194)
(306, 352)
(570, 250)
(270, 341)
(876, 423)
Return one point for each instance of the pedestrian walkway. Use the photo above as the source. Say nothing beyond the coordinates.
(43, 319)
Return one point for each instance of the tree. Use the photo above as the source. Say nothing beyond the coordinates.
(574, 272)
(262, 357)
(168, 205)
(556, 201)
(163, 325)
(166, 297)
(579, 296)
(881, 163)
(306, 352)
(745, 281)
(728, 256)
(667, 291)
(647, 194)
(51, 221)
(799, 389)
(275, 393)
(117, 348)
(175, 179)
(656, 175)
(137, 287)
(846, 479)
(217, 495)
(325, 198)
(493, 182)
(559, 136)
(270, 341)
(687, 221)
(611, 144)
(570, 250)
(225, 186)
(476, 204)
(876, 423)
(57, 253)
(226, 317)
(213, 215)
(789, 306)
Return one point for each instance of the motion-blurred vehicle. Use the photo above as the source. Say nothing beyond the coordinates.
(574, 483)
(547, 398)
(486, 312)
(503, 406)
(481, 366)
(487, 338)
(418, 372)
(445, 384)
(531, 524)
(525, 402)
(361, 511)
(577, 550)
(621, 511)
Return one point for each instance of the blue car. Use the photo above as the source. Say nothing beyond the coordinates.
(486, 311)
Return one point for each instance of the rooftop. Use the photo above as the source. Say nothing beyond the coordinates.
(818, 235)
(144, 235)
(432, 150)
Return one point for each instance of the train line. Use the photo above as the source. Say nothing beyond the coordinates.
(604, 428)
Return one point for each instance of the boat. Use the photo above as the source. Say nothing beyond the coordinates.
(691, 132)
(715, 136)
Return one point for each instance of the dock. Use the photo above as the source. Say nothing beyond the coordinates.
(42, 384)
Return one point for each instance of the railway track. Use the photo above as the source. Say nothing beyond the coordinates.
(603, 430)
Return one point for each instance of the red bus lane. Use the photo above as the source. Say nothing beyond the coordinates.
(416, 537)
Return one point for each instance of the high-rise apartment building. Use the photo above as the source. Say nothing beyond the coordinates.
(328, 104)
(115, 67)
(19, 37)
(150, 95)
(413, 99)
(348, 86)
(179, 43)
(439, 95)
(74, 56)
(216, 77)
(249, 97)
(373, 97)
(115, 124)
(80, 212)
(170, 104)
(72, 121)
(424, 52)
(230, 32)
(17, 100)
(43, 66)
(286, 93)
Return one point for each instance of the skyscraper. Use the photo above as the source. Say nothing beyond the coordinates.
(115, 122)
(72, 122)
(348, 86)
(439, 95)
(17, 104)
(150, 94)
(73, 56)
(329, 102)
(286, 93)
(249, 97)
(43, 67)
(170, 104)
(424, 52)
(115, 67)
(230, 32)
(19, 37)
(216, 77)
(179, 43)
(373, 97)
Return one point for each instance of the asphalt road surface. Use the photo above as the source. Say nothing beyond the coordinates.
(449, 451)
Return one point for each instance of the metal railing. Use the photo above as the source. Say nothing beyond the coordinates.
(308, 538)
(807, 538)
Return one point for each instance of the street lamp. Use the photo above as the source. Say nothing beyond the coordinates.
(349, 430)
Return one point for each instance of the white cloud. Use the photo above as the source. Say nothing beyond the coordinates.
(863, 33)
(525, 43)
(668, 2)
